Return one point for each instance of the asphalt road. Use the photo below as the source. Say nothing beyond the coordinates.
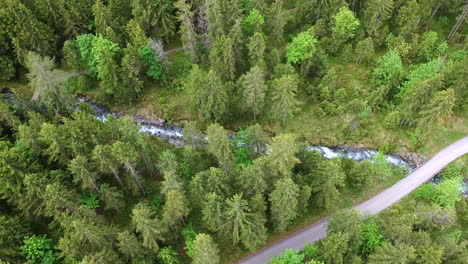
(374, 205)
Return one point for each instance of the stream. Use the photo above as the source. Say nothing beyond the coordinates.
(174, 134)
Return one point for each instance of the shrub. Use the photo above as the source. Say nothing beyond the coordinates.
(90, 200)
(39, 250)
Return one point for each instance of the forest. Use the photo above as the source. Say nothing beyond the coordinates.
(253, 84)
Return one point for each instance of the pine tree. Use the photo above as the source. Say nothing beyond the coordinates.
(106, 162)
(284, 203)
(129, 245)
(327, 180)
(127, 156)
(107, 71)
(83, 173)
(187, 29)
(237, 219)
(102, 18)
(212, 212)
(334, 248)
(111, 196)
(131, 70)
(256, 47)
(205, 250)
(26, 32)
(376, 13)
(222, 58)
(215, 18)
(175, 209)
(220, 146)
(214, 180)
(364, 51)
(395, 254)
(439, 109)
(48, 83)
(254, 89)
(281, 158)
(284, 102)
(147, 225)
(277, 19)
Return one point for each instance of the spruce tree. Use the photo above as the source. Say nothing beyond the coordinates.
(147, 225)
(284, 102)
(254, 90)
(220, 146)
(284, 203)
(276, 21)
(187, 29)
(222, 58)
(205, 250)
(439, 109)
(256, 47)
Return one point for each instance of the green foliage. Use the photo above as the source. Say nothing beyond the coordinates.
(205, 251)
(189, 233)
(430, 48)
(389, 69)
(345, 25)
(157, 203)
(7, 68)
(254, 22)
(370, 237)
(39, 250)
(284, 203)
(452, 171)
(149, 58)
(90, 200)
(290, 256)
(422, 72)
(311, 251)
(93, 49)
(302, 47)
(426, 191)
(167, 255)
(448, 192)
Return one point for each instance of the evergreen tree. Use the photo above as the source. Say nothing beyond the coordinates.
(439, 109)
(254, 89)
(84, 174)
(168, 165)
(48, 83)
(408, 18)
(111, 196)
(107, 71)
(376, 13)
(147, 225)
(281, 158)
(276, 21)
(132, 83)
(106, 162)
(347, 222)
(395, 254)
(284, 102)
(284, 203)
(127, 156)
(212, 212)
(328, 179)
(102, 18)
(364, 51)
(187, 29)
(217, 23)
(256, 47)
(214, 180)
(175, 209)
(237, 219)
(205, 250)
(222, 58)
(220, 146)
(333, 248)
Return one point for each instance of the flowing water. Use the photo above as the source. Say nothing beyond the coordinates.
(174, 133)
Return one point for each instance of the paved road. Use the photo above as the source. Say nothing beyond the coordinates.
(374, 205)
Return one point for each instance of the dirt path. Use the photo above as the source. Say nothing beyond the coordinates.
(374, 205)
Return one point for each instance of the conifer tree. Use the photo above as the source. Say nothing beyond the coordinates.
(281, 158)
(216, 20)
(132, 83)
(439, 109)
(48, 83)
(102, 18)
(222, 58)
(129, 245)
(175, 209)
(284, 203)
(284, 102)
(376, 13)
(254, 89)
(220, 146)
(237, 219)
(127, 156)
(256, 47)
(214, 180)
(187, 29)
(205, 250)
(107, 71)
(388, 253)
(83, 173)
(212, 212)
(147, 225)
(106, 162)
(276, 21)
(328, 179)
(111, 196)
